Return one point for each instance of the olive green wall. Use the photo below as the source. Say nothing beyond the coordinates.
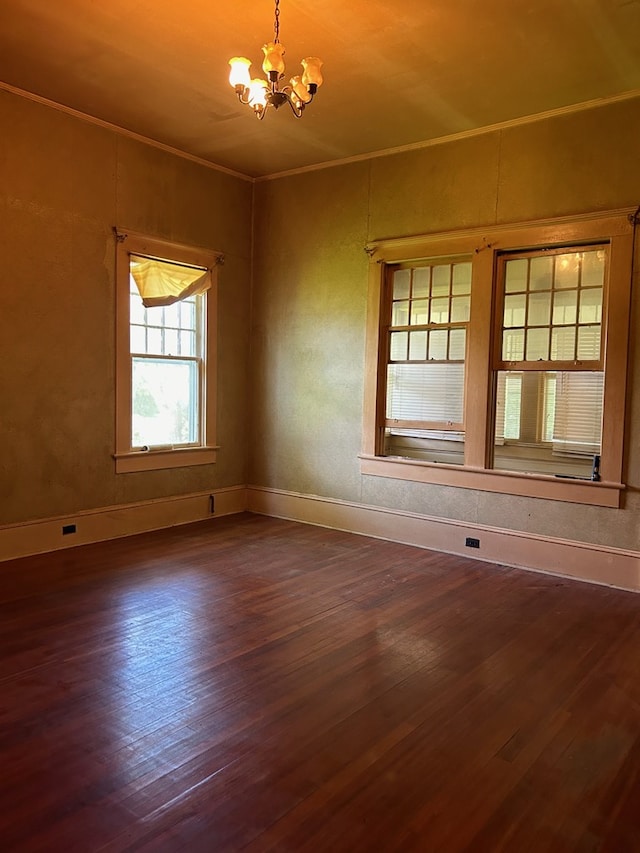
(64, 184)
(309, 302)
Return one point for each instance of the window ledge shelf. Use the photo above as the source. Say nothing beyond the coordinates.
(600, 493)
(166, 457)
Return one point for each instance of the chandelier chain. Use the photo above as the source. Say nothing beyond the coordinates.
(276, 24)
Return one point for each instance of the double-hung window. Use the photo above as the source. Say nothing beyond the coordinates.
(166, 300)
(549, 365)
(497, 358)
(426, 361)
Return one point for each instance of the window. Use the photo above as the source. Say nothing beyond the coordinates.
(549, 368)
(426, 361)
(496, 359)
(165, 395)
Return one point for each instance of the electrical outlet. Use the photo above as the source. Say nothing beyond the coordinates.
(472, 543)
(68, 528)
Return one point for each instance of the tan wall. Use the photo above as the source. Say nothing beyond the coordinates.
(310, 301)
(64, 184)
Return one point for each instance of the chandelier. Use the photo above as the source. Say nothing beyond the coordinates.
(260, 94)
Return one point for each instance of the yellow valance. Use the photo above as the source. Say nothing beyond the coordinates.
(163, 282)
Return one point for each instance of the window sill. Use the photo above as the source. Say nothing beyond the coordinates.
(153, 460)
(487, 480)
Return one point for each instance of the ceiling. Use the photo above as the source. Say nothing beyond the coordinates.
(397, 72)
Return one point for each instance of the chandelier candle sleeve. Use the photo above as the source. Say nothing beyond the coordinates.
(273, 61)
(261, 94)
(239, 76)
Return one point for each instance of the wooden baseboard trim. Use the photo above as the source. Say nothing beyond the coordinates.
(97, 525)
(598, 564)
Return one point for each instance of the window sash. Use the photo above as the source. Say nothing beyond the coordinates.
(428, 311)
(561, 338)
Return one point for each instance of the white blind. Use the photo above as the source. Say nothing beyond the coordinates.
(577, 424)
(426, 392)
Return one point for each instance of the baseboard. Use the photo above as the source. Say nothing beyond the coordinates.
(561, 557)
(97, 525)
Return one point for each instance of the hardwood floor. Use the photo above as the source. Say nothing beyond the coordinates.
(255, 684)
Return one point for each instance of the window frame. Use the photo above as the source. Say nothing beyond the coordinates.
(126, 458)
(485, 246)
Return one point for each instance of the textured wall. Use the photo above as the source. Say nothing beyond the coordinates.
(64, 184)
(310, 301)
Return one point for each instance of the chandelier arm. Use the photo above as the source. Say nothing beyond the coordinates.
(297, 111)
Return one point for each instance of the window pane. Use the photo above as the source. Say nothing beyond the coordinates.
(136, 308)
(399, 343)
(589, 343)
(421, 278)
(425, 392)
(187, 343)
(591, 306)
(593, 268)
(426, 445)
(516, 275)
(541, 273)
(438, 344)
(460, 309)
(537, 344)
(457, 339)
(565, 307)
(400, 314)
(419, 312)
(187, 314)
(171, 342)
(514, 310)
(513, 345)
(563, 344)
(439, 310)
(138, 339)
(401, 282)
(567, 270)
(171, 315)
(539, 309)
(548, 422)
(440, 280)
(154, 316)
(164, 402)
(461, 278)
(417, 346)
(154, 341)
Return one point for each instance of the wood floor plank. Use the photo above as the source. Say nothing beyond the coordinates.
(254, 684)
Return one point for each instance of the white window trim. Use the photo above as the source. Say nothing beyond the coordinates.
(615, 228)
(128, 460)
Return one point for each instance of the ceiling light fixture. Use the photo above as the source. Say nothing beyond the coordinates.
(260, 94)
